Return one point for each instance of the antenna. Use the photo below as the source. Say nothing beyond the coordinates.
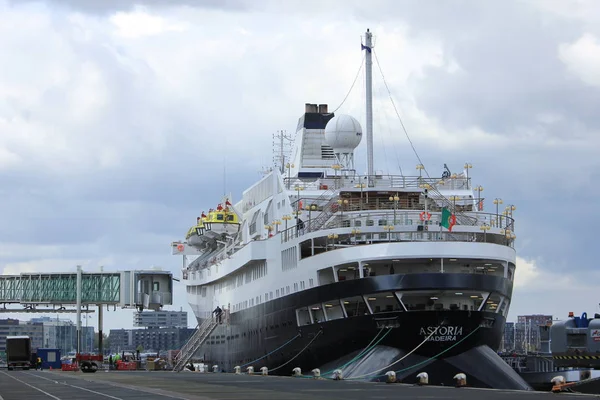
(368, 46)
(282, 143)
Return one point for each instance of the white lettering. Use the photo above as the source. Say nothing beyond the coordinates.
(443, 333)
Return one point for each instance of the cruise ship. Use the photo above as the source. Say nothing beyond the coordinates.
(317, 265)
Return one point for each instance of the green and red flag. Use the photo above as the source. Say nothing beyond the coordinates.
(448, 219)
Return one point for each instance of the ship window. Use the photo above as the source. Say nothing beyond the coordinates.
(155, 286)
(219, 217)
(333, 309)
(287, 289)
(370, 222)
(230, 218)
(277, 293)
(355, 306)
(383, 302)
(317, 313)
(311, 282)
(357, 222)
(303, 316)
(382, 222)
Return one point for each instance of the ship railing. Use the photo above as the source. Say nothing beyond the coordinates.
(454, 182)
(394, 221)
(347, 237)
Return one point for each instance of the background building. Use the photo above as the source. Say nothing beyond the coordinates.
(151, 339)
(528, 334)
(161, 319)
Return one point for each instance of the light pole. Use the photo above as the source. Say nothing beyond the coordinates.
(395, 199)
(389, 229)
(276, 223)
(497, 202)
(297, 188)
(286, 218)
(453, 200)
(289, 170)
(479, 189)
(332, 237)
(509, 211)
(468, 166)
(336, 168)
(361, 186)
(420, 168)
(354, 233)
(310, 209)
(484, 227)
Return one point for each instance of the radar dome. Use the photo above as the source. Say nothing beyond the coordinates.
(343, 133)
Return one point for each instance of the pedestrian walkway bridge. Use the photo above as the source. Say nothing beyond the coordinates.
(150, 289)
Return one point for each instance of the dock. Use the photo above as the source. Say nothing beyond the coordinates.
(151, 385)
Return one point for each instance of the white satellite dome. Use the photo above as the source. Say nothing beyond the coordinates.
(343, 133)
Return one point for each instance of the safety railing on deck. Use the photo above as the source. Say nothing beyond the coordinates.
(394, 221)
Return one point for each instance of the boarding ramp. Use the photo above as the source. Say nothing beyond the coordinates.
(193, 344)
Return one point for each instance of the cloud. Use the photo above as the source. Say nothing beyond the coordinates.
(582, 58)
(121, 123)
(535, 285)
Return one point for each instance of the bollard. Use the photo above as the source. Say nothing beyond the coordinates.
(422, 379)
(316, 373)
(338, 375)
(391, 377)
(215, 368)
(238, 369)
(264, 371)
(460, 379)
(250, 370)
(297, 371)
(557, 383)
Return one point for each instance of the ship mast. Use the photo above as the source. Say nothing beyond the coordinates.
(368, 46)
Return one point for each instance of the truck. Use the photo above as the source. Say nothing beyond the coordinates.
(18, 352)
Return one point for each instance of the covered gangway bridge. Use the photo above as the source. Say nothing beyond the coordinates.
(77, 291)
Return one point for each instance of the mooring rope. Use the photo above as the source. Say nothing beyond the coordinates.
(266, 355)
(293, 358)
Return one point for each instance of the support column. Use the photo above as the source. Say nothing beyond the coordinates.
(78, 290)
(100, 321)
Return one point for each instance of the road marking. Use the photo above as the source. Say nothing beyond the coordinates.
(134, 388)
(77, 387)
(31, 386)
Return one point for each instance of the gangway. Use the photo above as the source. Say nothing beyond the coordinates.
(193, 344)
(44, 292)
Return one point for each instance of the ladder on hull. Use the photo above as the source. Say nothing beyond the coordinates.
(193, 344)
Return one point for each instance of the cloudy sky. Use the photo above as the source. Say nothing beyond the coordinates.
(120, 122)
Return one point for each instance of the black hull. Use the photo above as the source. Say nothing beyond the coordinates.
(465, 342)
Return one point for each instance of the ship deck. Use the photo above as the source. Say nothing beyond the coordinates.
(132, 385)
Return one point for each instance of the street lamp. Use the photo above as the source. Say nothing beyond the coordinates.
(420, 167)
(286, 218)
(289, 170)
(395, 199)
(336, 168)
(354, 233)
(509, 210)
(479, 189)
(332, 237)
(497, 202)
(276, 223)
(468, 166)
(484, 227)
(453, 200)
(341, 204)
(389, 229)
(361, 186)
